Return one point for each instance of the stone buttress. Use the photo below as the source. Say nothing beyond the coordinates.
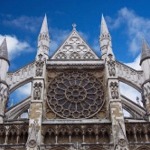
(116, 112)
(38, 89)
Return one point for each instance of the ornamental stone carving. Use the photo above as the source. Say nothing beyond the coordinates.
(32, 143)
(74, 48)
(39, 66)
(75, 94)
(32, 138)
(122, 142)
(37, 91)
(3, 93)
(111, 66)
(114, 90)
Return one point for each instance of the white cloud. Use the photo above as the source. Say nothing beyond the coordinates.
(24, 90)
(136, 27)
(57, 37)
(15, 46)
(23, 22)
(135, 64)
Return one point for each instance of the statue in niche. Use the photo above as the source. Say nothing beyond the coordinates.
(111, 66)
(114, 90)
(39, 66)
(37, 91)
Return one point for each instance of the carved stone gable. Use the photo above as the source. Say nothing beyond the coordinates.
(74, 48)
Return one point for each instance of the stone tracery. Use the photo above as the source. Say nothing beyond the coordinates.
(75, 95)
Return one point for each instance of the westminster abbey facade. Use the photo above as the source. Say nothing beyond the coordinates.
(75, 101)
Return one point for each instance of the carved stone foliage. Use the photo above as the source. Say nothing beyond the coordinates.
(111, 66)
(39, 66)
(75, 94)
(37, 91)
(114, 90)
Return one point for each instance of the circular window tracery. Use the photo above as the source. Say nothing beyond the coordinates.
(75, 94)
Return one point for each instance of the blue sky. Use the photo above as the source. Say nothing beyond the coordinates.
(127, 20)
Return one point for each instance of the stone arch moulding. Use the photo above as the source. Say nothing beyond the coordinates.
(132, 106)
(58, 148)
(20, 84)
(96, 148)
(130, 83)
(18, 109)
(143, 148)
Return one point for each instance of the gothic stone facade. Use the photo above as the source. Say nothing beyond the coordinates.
(75, 102)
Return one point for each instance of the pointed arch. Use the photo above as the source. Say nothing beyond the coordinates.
(61, 55)
(19, 95)
(12, 135)
(135, 110)
(18, 109)
(88, 55)
(75, 55)
(2, 134)
(143, 148)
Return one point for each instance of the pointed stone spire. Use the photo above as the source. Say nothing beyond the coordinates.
(3, 50)
(44, 28)
(145, 51)
(104, 28)
(109, 51)
(43, 39)
(105, 39)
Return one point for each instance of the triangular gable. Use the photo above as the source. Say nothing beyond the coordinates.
(74, 48)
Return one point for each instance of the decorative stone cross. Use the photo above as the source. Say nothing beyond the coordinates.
(74, 26)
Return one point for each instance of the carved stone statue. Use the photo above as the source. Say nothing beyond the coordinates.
(111, 66)
(114, 90)
(39, 66)
(37, 91)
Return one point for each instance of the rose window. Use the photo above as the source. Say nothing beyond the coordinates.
(75, 95)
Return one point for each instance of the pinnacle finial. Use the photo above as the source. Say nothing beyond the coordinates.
(104, 28)
(3, 49)
(74, 26)
(145, 51)
(44, 27)
(43, 39)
